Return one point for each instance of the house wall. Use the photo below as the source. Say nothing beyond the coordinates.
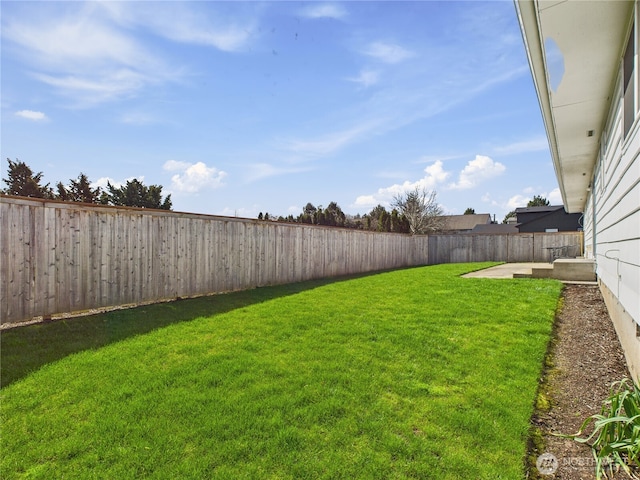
(612, 224)
(560, 220)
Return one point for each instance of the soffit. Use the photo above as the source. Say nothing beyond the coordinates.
(589, 37)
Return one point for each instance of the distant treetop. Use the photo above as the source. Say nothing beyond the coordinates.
(23, 182)
(538, 201)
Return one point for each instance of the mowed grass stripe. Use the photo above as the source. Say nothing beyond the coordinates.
(415, 373)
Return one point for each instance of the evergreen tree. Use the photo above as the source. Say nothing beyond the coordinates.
(512, 213)
(135, 194)
(23, 182)
(373, 218)
(308, 214)
(399, 223)
(538, 201)
(334, 216)
(79, 190)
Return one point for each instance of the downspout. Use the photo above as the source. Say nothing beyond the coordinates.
(594, 228)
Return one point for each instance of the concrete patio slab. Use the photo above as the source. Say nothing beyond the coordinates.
(523, 270)
(507, 270)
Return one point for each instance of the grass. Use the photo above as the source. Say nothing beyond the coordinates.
(542, 405)
(415, 373)
(24, 350)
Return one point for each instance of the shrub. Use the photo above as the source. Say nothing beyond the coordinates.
(615, 440)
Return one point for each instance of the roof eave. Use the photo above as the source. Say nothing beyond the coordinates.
(589, 38)
(533, 43)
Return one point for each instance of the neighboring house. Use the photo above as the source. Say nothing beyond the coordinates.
(495, 228)
(511, 220)
(463, 223)
(584, 61)
(547, 219)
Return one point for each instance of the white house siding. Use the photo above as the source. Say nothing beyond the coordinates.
(594, 39)
(612, 226)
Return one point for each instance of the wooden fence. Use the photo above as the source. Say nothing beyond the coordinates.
(518, 247)
(62, 257)
(59, 257)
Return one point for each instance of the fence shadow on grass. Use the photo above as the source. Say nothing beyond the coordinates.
(27, 348)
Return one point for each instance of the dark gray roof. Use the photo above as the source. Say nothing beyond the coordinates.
(549, 208)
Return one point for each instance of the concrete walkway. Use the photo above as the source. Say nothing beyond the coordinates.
(518, 270)
(506, 270)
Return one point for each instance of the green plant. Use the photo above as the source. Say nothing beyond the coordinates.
(615, 439)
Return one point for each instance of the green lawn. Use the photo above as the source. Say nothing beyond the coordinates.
(415, 373)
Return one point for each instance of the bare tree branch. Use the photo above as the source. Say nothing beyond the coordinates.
(421, 209)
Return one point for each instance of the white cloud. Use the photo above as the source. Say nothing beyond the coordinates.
(366, 78)
(387, 52)
(421, 91)
(238, 212)
(102, 182)
(193, 177)
(413, 94)
(175, 165)
(79, 41)
(231, 40)
(517, 201)
(520, 200)
(476, 171)
(84, 56)
(487, 198)
(536, 144)
(139, 118)
(435, 158)
(391, 174)
(555, 197)
(181, 24)
(435, 175)
(87, 91)
(92, 52)
(332, 141)
(32, 115)
(258, 171)
(325, 10)
(365, 201)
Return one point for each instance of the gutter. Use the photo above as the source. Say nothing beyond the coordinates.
(527, 12)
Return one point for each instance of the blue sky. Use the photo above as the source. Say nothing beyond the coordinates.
(237, 108)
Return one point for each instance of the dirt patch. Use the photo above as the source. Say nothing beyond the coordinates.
(585, 360)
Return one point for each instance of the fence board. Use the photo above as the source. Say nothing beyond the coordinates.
(58, 257)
